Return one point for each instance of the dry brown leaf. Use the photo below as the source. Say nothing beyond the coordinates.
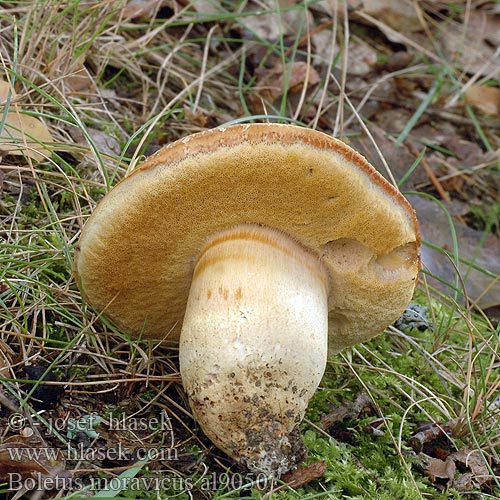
(464, 470)
(272, 83)
(323, 46)
(27, 455)
(398, 15)
(135, 9)
(5, 353)
(472, 460)
(465, 482)
(105, 143)
(305, 474)
(486, 99)
(70, 71)
(362, 58)
(468, 153)
(328, 7)
(300, 74)
(14, 458)
(468, 48)
(79, 80)
(5, 88)
(270, 25)
(485, 24)
(470, 45)
(22, 134)
(441, 469)
(206, 6)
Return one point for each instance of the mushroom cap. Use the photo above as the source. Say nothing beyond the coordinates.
(136, 254)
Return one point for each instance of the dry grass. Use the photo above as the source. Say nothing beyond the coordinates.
(112, 87)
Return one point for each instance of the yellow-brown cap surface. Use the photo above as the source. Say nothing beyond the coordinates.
(136, 253)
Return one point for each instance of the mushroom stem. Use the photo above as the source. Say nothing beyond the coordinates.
(253, 345)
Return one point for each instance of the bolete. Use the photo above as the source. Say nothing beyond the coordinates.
(257, 248)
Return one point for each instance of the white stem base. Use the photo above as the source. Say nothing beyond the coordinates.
(253, 346)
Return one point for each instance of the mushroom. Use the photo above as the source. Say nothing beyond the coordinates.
(258, 249)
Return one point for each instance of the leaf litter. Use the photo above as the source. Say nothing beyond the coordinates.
(21, 134)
